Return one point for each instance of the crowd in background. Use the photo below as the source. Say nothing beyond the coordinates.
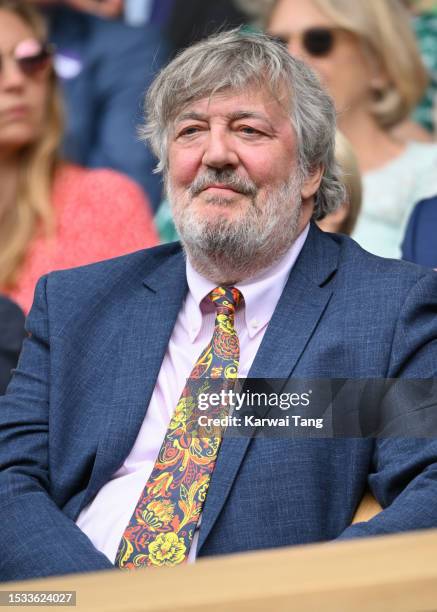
(77, 184)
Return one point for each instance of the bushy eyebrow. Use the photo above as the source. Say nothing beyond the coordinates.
(235, 116)
(191, 116)
(243, 114)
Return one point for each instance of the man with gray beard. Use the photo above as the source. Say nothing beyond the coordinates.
(95, 458)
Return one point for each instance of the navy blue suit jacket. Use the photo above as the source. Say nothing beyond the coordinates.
(420, 241)
(85, 377)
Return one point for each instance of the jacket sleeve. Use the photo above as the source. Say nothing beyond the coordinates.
(404, 471)
(420, 245)
(36, 537)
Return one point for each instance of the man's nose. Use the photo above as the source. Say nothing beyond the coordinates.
(219, 151)
(11, 77)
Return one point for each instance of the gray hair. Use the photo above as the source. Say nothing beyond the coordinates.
(237, 59)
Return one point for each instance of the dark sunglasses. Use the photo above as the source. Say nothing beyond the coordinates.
(317, 42)
(31, 56)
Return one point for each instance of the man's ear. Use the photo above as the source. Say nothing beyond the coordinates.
(311, 184)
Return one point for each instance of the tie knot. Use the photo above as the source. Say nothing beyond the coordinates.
(226, 299)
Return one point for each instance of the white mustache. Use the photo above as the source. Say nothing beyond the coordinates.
(225, 179)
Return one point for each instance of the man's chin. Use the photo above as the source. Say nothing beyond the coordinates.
(219, 212)
(211, 232)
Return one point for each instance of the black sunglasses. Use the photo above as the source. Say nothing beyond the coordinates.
(318, 42)
(31, 56)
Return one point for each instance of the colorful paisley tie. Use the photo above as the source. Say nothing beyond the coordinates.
(162, 526)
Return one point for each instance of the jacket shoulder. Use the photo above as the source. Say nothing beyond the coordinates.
(356, 260)
(77, 288)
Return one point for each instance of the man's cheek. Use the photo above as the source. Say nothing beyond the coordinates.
(184, 176)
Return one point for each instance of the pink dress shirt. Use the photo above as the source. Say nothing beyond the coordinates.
(106, 517)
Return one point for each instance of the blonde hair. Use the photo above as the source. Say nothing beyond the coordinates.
(351, 178)
(32, 209)
(385, 29)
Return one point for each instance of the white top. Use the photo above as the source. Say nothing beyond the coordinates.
(389, 196)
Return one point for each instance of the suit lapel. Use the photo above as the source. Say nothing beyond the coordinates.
(145, 322)
(296, 316)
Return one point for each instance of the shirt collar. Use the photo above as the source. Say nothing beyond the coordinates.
(261, 293)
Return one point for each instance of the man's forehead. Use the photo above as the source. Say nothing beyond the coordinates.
(250, 101)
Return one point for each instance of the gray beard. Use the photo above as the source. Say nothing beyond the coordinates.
(228, 252)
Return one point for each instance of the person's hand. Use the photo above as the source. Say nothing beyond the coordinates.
(109, 9)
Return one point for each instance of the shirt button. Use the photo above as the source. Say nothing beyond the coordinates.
(254, 323)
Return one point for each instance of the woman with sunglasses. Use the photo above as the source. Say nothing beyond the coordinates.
(365, 53)
(52, 214)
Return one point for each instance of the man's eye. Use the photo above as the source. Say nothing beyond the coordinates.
(250, 131)
(188, 131)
